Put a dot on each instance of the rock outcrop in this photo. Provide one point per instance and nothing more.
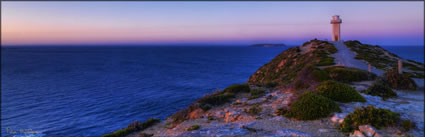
(284, 79)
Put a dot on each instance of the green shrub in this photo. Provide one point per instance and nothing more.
(205, 103)
(271, 84)
(374, 55)
(182, 115)
(236, 88)
(332, 49)
(254, 110)
(256, 93)
(145, 135)
(205, 107)
(325, 59)
(210, 118)
(281, 111)
(300, 85)
(343, 74)
(310, 106)
(320, 75)
(339, 92)
(194, 127)
(406, 125)
(377, 117)
(284, 67)
(399, 81)
(379, 89)
(119, 133)
(216, 99)
(135, 126)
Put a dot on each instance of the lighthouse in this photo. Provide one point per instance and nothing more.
(336, 28)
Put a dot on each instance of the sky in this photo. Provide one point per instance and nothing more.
(208, 23)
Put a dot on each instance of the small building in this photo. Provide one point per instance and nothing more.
(336, 28)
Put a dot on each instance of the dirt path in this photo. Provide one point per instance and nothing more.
(346, 57)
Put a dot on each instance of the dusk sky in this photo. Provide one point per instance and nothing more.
(208, 23)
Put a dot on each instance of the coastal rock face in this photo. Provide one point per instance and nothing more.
(288, 71)
(197, 113)
(365, 131)
(338, 118)
(369, 131)
(357, 133)
(232, 116)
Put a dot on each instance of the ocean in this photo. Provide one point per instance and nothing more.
(90, 91)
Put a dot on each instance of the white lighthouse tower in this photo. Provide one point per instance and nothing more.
(336, 28)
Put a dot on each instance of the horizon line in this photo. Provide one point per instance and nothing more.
(159, 45)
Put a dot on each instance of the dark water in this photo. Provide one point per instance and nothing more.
(90, 91)
(415, 53)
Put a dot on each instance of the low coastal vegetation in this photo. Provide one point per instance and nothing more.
(237, 88)
(133, 127)
(320, 75)
(398, 81)
(308, 77)
(145, 135)
(194, 127)
(325, 59)
(383, 59)
(254, 110)
(215, 99)
(310, 106)
(210, 100)
(380, 89)
(345, 74)
(295, 73)
(281, 111)
(375, 55)
(256, 93)
(377, 117)
(283, 69)
(219, 98)
(299, 85)
(339, 92)
(406, 125)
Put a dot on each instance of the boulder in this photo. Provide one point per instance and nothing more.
(357, 133)
(338, 118)
(197, 113)
(232, 116)
(369, 131)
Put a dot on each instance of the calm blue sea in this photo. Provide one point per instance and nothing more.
(90, 91)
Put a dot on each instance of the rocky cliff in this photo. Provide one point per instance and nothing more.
(309, 90)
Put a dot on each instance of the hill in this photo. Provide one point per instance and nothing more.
(320, 88)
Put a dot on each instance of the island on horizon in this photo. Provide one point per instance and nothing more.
(269, 45)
